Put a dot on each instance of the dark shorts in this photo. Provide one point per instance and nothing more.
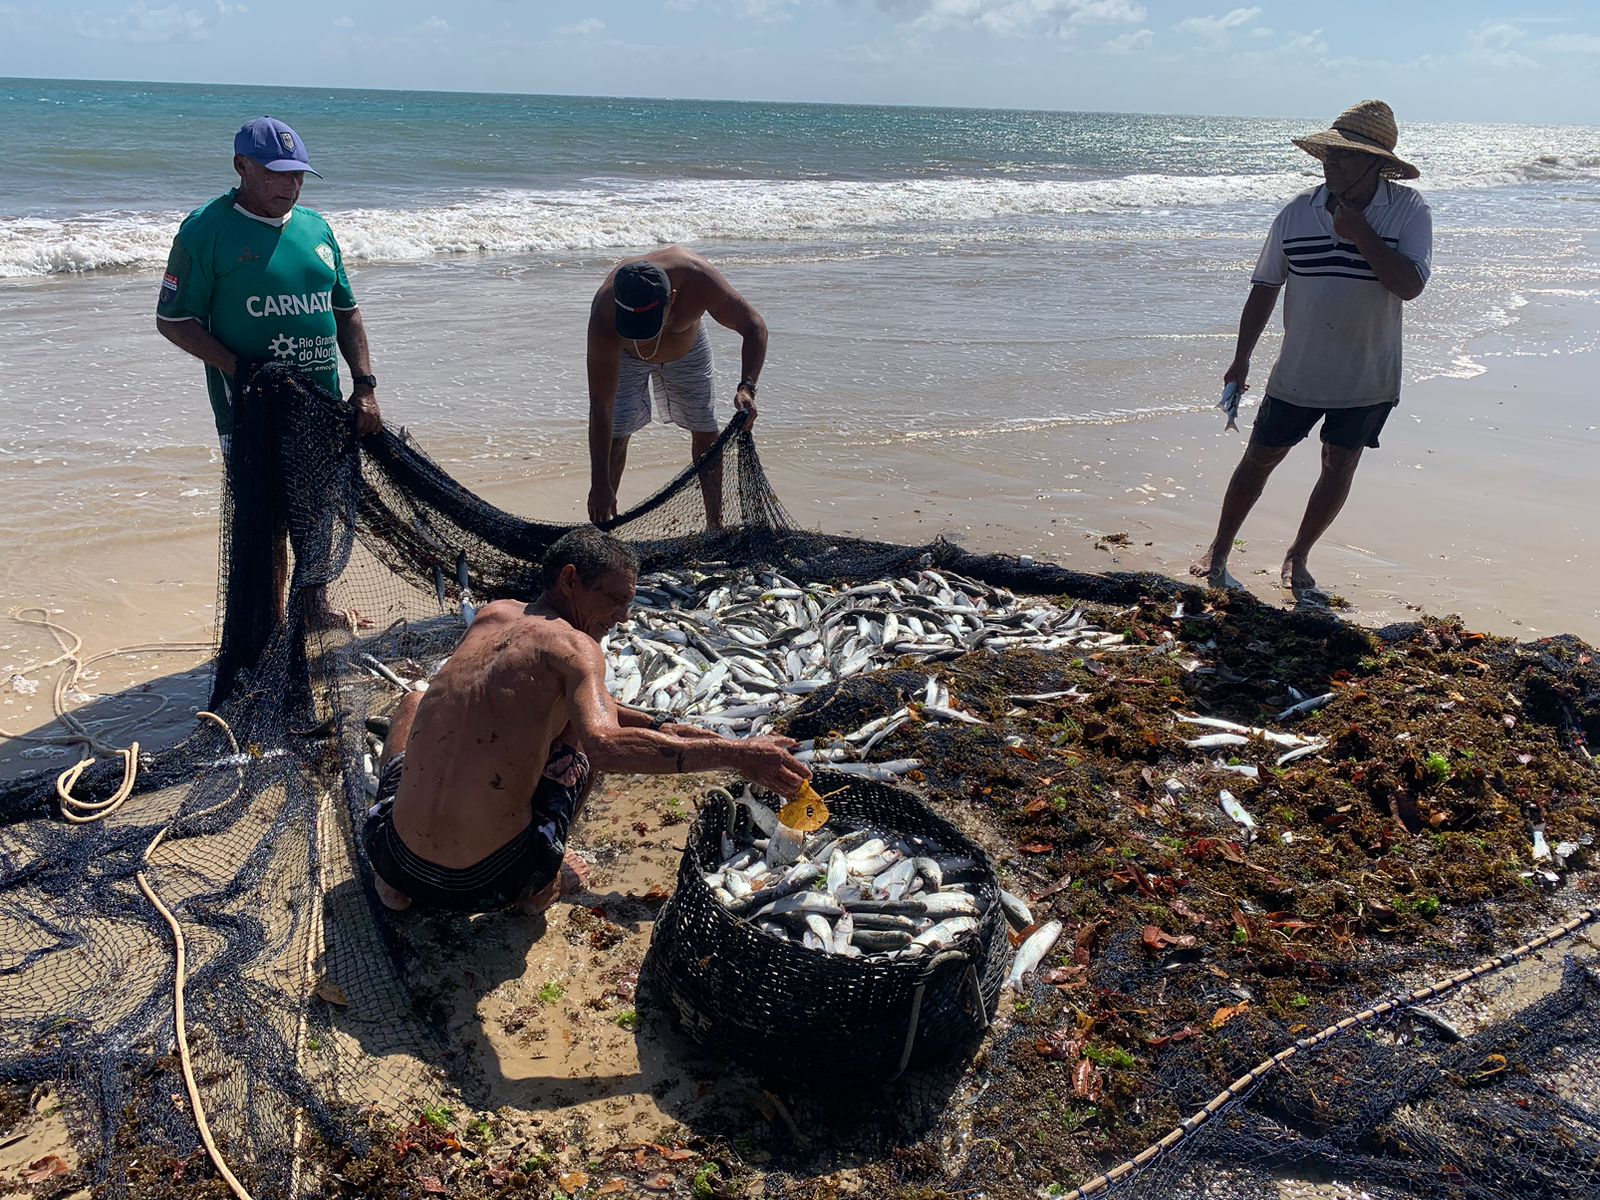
(1279, 423)
(527, 863)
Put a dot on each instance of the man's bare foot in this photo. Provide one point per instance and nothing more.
(571, 879)
(1296, 576)
(335, 618)
(393, 899)
(1214, 571)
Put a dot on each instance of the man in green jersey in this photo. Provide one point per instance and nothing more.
(254, 278)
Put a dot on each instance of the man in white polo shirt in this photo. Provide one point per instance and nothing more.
(1348, 253)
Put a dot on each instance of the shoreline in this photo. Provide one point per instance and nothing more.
(1442, 519)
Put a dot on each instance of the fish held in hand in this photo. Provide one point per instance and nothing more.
(1229, 404)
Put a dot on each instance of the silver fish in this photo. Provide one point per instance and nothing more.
(1306, 706)
(1212, 740)
(945, 933)
(1236, 812)
(1032, 951)
(1017, 912)
(803, 903)
(818, 925)
(1301, 752)
(1229, 404)
(1248, 731)
(952, 903)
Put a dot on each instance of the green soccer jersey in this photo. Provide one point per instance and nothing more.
(264, 289)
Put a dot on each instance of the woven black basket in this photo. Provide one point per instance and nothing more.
(806, 1016)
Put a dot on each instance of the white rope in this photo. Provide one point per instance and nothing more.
(93, 744)
(179, 974)
(1255, 1074)
(84, 812)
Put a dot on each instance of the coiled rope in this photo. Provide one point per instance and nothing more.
(93, 744)
(1261, 1070)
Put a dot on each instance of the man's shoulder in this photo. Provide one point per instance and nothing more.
(1406, 199)
(310, 221)
(209, 215)
(535, 630)
(1300, 202)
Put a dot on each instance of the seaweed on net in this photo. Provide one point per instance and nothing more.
(312, 1046)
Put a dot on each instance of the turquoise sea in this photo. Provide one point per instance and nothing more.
(970, 309)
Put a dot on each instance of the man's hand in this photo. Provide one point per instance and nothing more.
(745, 401)
(1237, 372)
(767, 761)
(1350, 222)
(243, 368)
(602, 504)
(368, 419)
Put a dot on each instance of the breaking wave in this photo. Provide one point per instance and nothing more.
(610, 215)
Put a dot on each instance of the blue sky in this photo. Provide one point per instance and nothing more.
(1464, 61)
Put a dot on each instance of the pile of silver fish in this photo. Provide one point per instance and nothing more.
(858, 894)
(732, 650)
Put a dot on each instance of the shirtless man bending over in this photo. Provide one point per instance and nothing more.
(484, 773)
(645, 330)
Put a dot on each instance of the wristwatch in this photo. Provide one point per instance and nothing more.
(746, 385)
(370, 381)
(660, 719)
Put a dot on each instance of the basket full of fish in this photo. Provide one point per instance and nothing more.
(872, 943)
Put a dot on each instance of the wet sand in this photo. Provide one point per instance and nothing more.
(1479, 502)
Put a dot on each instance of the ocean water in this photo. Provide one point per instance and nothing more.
(973, 304)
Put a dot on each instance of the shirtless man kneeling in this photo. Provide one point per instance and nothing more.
(484, 773)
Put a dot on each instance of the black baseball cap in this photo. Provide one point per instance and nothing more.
(642, 290)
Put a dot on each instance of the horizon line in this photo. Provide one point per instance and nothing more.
(12, 79)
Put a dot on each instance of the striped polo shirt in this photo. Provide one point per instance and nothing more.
(1341, 327)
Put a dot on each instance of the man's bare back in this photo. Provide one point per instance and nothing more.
(697, 288)
(483, 734)
(486, 772)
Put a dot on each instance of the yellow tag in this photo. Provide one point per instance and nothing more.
(806, 812)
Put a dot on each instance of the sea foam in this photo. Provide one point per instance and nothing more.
(605, 215)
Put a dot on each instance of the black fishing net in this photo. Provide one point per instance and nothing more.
(306, 1034)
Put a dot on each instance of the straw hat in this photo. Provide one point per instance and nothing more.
(1367, 127)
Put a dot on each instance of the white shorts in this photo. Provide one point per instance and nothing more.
(685, 392)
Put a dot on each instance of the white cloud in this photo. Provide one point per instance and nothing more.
(1217, 28)
(1498, 45)
(345, 23)
(1014, 18)
(1576, 43)
(434, 25)
(1130, 43)
(226, 9)
(143, 24)
(756, 10)
(1305, 43)
(587, 27)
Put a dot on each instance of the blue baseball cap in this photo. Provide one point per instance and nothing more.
(274, 145)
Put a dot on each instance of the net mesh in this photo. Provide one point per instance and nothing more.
(307, 1035)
